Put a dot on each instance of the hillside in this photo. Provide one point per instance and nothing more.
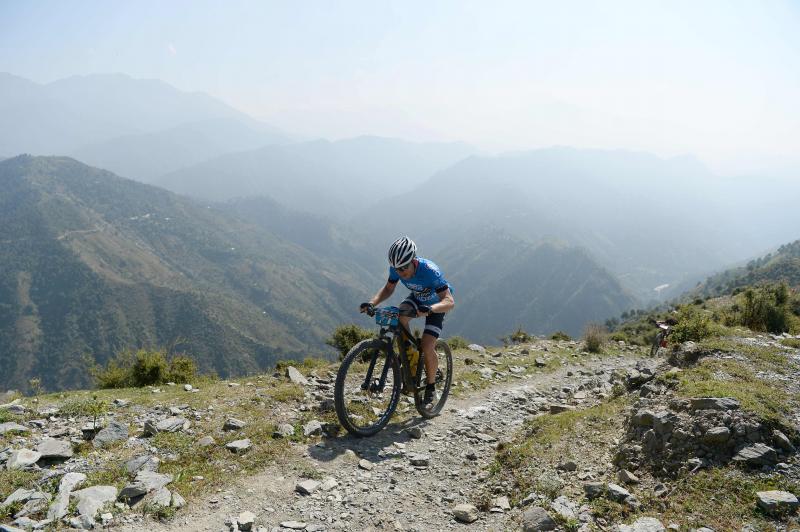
(649, 221)
(781, 266)
(503, 282)
(340, 179)
(93, 263)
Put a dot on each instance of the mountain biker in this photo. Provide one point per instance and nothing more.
(431, 297)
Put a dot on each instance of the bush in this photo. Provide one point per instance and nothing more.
(517, 337)
(149, 368)
(766, 309)
(619, 336)
(594, 336)
(693, 325)
(346, 336)
(457, 342)
(182, 369)
(143, 368)
(560, 336)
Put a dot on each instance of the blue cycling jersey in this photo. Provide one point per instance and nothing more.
(427, 283)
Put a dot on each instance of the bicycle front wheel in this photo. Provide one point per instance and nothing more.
(367, 388)
(443, 380)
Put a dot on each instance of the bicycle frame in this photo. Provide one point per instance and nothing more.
(409, 380)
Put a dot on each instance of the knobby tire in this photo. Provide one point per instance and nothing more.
(364, 412)
(444, 380)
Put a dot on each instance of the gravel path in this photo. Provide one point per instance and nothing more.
(394, 481)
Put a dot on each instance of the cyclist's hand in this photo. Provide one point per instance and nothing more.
(369, 308)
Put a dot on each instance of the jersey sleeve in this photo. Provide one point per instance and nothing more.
(393, 275)
(438, 282)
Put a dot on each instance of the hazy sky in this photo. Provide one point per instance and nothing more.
(720, 79)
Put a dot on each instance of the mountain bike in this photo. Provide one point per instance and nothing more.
(665, 328)
(374, 374)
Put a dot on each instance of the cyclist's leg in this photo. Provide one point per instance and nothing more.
(408, 303)
(433, 329)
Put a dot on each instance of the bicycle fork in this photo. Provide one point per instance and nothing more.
(377, 386)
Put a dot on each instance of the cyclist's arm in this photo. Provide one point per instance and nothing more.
(446, 302)
(384, 293)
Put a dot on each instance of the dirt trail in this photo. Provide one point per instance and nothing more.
(393, 494)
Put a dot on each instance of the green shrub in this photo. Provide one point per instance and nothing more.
(693, 325)
(766, 309)
(182, 369)
(619, 336)
(517, 337)
(560, 336)
(345, 337)
(457, 342)
(594, 336)
(149, 368)
(116, 373)
(143, 368)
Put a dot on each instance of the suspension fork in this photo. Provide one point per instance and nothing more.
(367, 384)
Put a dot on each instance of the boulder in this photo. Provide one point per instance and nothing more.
(233, 424)
(144, 483)
(776, 502)
(145, 462)
(239, 446)
(22, 458)
(51, 449)
(12, 427)
(465, 513)
(294, 375)
(307, 487)
(93, 498)
(717, 435)
(782, 441)
(757, 454)
(171, 424)
(536, 518)
(114, 432)
(60, 505)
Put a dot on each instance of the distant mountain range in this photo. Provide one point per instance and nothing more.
(341, 179)
(649, 221)
(93, 263)
(138, 128)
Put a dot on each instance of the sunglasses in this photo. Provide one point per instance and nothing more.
(404, 268)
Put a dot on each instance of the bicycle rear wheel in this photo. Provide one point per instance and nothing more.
(444, 378)
(367, 388)
(656, 343)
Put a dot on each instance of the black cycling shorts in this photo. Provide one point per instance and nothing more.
(433, 321)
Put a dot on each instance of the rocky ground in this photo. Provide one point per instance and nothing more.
(412, 476)
(607, 439)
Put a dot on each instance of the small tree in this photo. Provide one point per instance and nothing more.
(345, 337)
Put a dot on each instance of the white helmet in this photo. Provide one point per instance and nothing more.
(403, 251)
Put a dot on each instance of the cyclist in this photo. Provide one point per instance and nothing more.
(431, 297)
